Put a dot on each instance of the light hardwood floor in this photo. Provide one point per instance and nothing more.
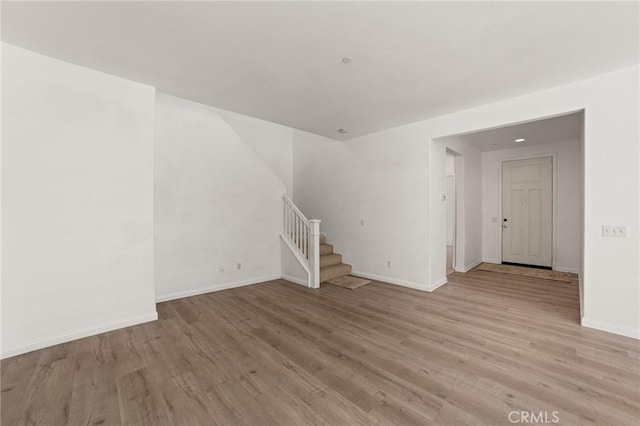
(277, 353)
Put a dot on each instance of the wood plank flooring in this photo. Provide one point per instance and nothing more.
(277, 353)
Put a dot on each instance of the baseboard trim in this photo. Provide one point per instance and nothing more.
(611, 328)
(152, 316)
(570, 270)
(390, 280)
(295, 280)
(213, 288)
(496, 261)
(438, 284)
(467, 268)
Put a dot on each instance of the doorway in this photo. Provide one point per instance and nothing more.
(527, 212)
(480, 156)
(450, 173)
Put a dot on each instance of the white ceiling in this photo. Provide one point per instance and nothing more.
(555, 129)
(282, 61)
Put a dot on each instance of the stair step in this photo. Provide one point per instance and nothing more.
(334, 271)
(323, 239)
(330, 259)
(326, 249)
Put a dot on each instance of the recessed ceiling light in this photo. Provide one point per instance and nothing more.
(347, 60)
(343, 131)
(520, 140)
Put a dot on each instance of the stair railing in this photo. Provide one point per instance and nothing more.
(302, 235)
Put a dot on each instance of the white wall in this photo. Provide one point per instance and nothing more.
(371, 181)
(273, 143)
(1, 219)
(385, 178)
(582, 216)
(216, 204)
(566, 253)
(292, 270)
(77, 202)
(450, 166)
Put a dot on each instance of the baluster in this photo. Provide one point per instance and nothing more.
(305, 243)
(290, 223)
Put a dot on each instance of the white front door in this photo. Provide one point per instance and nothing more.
(527, 211)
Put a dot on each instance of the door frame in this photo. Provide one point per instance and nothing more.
(459, 217)
(554, 199)
(457, 165)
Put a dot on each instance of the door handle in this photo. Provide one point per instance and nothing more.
(504, 222)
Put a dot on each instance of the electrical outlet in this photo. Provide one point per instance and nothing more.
(614, 231)
(388, 264)
(238, 265)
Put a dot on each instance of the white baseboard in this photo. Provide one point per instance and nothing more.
(563, 269)
(79, 334)
(611, 328)
(438, 284)
(390, 280)
(211, 289)
(496, 261)
(295, 280)
(467, 268)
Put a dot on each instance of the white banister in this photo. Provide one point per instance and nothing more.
(303, 238)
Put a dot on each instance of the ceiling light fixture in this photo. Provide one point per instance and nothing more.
(347, 60)
(343, 131)
(520, 140)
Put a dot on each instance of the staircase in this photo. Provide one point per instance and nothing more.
(331, 265)
(303, 238)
